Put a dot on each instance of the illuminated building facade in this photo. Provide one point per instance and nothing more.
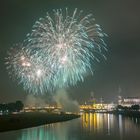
(129, 101)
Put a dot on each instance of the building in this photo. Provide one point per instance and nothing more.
(129, 101)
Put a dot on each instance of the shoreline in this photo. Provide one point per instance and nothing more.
(128, 113)
(32, 119)
(124, 113)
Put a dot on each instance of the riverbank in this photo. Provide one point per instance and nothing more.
(128, 113)
(32, 119)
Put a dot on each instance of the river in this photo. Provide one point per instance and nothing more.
(91, 126)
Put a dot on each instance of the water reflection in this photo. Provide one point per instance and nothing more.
(97, 122)
(91, 126)
(109, 124)
(47, 132)
(120, 127)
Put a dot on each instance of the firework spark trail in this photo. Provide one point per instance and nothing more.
(58, 51)
(28, 69)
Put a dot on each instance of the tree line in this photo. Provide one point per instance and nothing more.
(131, 108)
(11, 107)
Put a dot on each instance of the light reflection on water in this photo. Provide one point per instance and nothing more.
(91, 126)
(48, 132)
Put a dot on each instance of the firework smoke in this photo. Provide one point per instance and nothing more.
(33, 101)
(68, 105)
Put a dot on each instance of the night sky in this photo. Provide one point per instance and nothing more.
(120, 19)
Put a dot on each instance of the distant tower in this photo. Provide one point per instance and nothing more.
(92, 98)
(101, 100)
(119, 90)
(120, 99)
(92, 95)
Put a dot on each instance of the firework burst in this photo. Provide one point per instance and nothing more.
(58, 51)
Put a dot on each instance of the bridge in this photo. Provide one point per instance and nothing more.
(42, 109)
(83, 108)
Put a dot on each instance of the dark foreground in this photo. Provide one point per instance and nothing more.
(25, 120)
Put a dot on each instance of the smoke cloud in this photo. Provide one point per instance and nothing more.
(61, 97)
(68, 105)
(35, 101)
